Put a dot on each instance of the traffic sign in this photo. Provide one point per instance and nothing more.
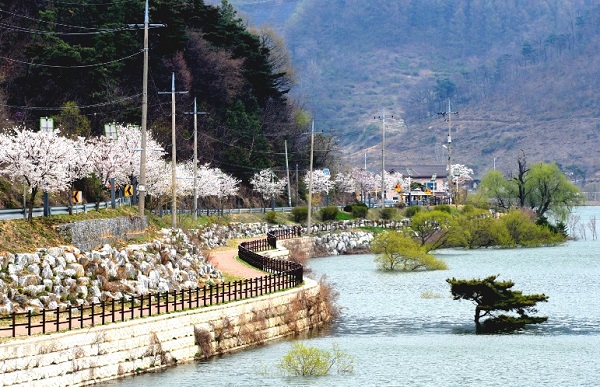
(77, 197)
(398, 188)
(128, 191)
(326, 171)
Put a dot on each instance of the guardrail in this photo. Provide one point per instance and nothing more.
(284, 275)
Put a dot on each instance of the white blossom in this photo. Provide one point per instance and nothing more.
(321, 182)
(268, 184)
(40, 160)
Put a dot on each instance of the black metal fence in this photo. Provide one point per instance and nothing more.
(284, 275)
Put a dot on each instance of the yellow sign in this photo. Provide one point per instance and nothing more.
(128, 191)
(428, 191)
(398, 188)
(77, 197)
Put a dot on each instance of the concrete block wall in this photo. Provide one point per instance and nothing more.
(91, 355)
(89, 234)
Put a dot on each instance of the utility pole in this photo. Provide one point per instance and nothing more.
(310, 179)
(142, 184)
(174, 153)
(449, 113)
(287, 168)
(195, 113)
(382, 157)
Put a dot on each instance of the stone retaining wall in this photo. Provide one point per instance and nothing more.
(88, 356)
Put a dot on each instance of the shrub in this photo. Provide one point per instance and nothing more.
(412, 211)
(300, 214)
(360, 210)
(302, 360)
(328, 213)
(271, 217)
(348, 208)
(388, 213)
(443, 207)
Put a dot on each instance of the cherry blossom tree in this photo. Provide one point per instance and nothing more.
(129, 144)
(79, 166)
(460, 174)
(321, 182)
(225, 185)
(345, 182)
(38, 159)
(268, 184)
(365, 181)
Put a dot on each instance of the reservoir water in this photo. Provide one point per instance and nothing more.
(404, 329)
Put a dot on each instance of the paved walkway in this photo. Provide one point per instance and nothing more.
(226, 262)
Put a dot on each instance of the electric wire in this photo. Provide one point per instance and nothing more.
(72, 66)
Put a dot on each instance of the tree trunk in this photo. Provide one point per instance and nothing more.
(477, 315)
(34, 192)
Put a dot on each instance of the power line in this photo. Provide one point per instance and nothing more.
(78, 106)
(74, 66)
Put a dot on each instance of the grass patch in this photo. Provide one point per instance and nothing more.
(374, 230)
(341, 215)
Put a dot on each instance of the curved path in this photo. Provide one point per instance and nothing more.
(226, 262)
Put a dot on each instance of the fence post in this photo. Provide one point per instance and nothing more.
(81, 316)
(43, 320)
(57, 319)
(123, 308)
(29, 322)
(70, 316)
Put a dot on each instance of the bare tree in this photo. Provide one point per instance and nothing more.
(592, 226)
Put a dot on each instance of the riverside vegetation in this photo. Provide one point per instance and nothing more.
(172, 259)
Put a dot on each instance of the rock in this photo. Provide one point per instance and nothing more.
(36, 304)
(70, 258)
(130, 271)
(47, 272)
(76, 268)
(29, 279)
(50, 260)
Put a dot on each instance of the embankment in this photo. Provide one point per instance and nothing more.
(88, 356)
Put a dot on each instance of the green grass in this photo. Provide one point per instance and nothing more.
(341, 215)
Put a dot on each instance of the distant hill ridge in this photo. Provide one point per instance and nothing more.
(522, 75)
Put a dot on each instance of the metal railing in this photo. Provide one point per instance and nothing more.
(284, 275)
(248, 252)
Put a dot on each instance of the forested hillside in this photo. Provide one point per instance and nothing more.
(521, 74)
(81, 61)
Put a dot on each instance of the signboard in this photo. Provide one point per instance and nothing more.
(46, 125)
(398, 188)
(128, 191)
(77, 197)
(326, 171)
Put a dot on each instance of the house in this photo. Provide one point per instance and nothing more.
(433, 179)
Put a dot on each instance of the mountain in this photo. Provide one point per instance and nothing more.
(522, 75)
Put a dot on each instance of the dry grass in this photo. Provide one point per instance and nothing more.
(21, 236)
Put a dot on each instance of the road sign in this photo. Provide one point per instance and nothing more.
(77, 197)
(398, 188)
(128, 191)
(326, 171)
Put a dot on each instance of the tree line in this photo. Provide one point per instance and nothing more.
(81, 63)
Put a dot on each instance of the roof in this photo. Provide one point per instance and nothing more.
(419, 171)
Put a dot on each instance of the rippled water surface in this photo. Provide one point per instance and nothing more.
(404, 329)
